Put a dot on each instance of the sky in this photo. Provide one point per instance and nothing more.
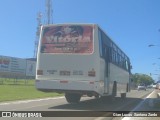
(131, 24)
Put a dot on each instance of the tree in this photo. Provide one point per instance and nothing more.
(142, 78)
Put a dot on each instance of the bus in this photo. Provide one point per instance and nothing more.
(80, 59)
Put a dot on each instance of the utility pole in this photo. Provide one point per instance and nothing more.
(48, 20)
(39, 17)
(49, 12)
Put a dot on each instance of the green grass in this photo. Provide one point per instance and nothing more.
(20, 90)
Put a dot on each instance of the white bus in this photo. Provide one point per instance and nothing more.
(80, 59)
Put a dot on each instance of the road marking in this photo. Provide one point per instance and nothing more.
(138, 106)
(126, 118)
(28, 101)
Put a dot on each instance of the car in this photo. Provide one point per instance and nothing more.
(149, 86)
(141, 87)
(158, 86)
(154, 85)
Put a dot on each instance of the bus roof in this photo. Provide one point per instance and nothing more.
(59, 24)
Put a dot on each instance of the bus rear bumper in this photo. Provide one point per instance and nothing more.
(61, 86)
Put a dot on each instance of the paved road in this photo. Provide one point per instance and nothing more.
(147, 104)
(133, 99)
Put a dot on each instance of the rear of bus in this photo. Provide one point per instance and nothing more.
(66, 60)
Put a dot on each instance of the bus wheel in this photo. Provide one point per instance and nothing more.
(72, 97)
(114, 90)
(127, 88)
(123, 95)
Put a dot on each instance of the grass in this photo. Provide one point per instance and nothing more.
(11, 90)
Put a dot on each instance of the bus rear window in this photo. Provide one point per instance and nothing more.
(67, 39)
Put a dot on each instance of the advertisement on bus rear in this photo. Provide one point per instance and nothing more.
(67, 39)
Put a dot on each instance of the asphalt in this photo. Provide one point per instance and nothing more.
(135, 101)
(146, 109)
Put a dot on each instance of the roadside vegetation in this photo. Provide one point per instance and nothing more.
(138, 78)
(20, 89)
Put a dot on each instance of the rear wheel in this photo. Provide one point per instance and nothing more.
(114, 90)
(127, 88)
(72, 97)
(123, 95)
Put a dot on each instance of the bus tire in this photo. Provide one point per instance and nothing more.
(127, 88)
(123, 95)
(114, 90)
(72, 97)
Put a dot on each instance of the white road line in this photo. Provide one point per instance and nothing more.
(27, 101)
(127, 118)
(138, 106)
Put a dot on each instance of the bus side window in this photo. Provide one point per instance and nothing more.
(105, 52)
(107, 59)
(110, 54)
(126, 65)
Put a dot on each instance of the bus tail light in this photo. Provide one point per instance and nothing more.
(91, 82)
(63, 81)
(39, 72)
(92, 73)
